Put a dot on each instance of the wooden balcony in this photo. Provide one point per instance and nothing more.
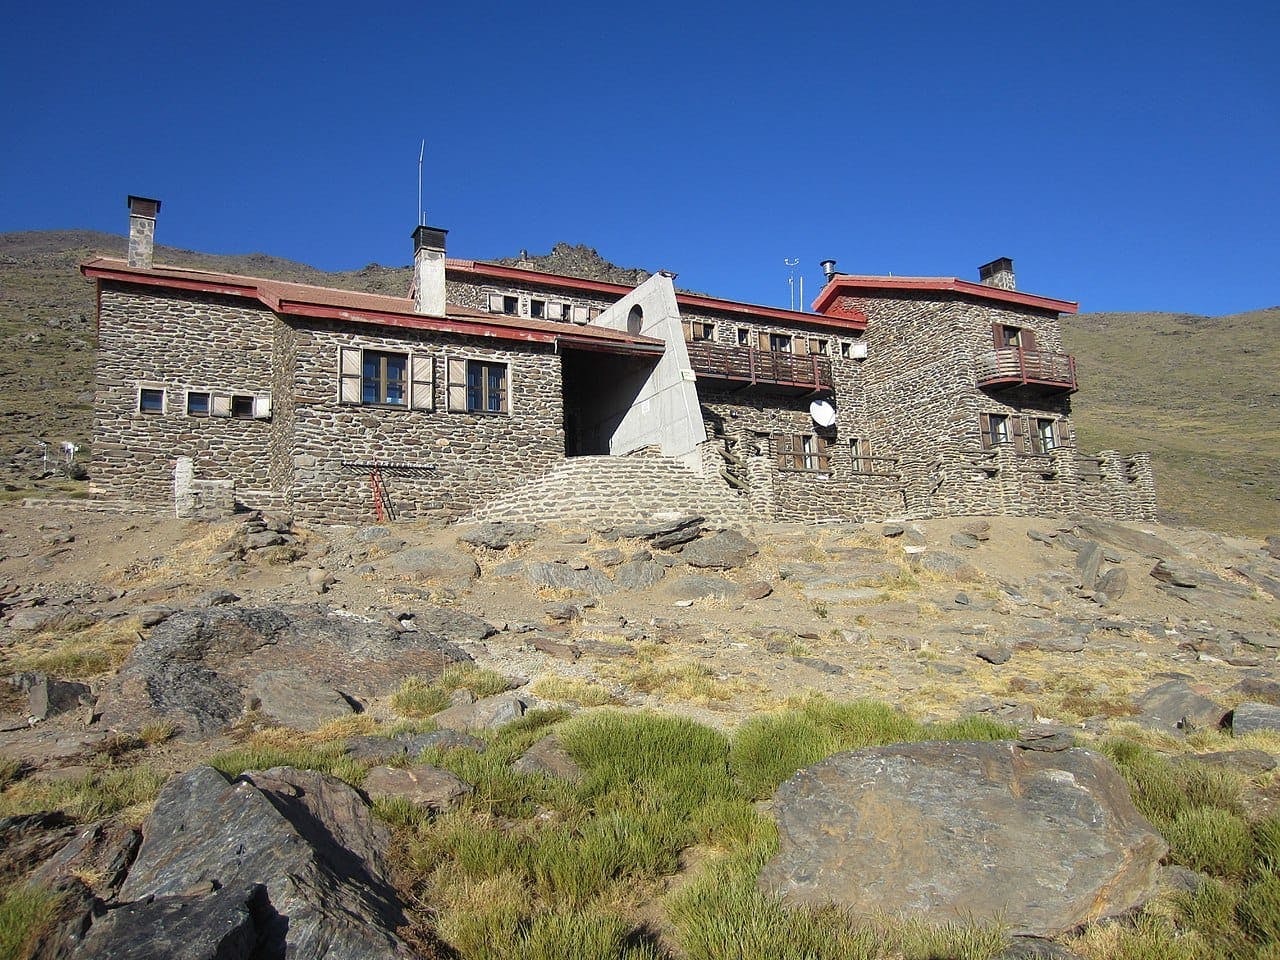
(1040, 371)
(764, 369)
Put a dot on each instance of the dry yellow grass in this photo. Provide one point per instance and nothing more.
(82, 653)
(576, 690)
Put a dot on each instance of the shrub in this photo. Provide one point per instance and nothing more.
(419, 697)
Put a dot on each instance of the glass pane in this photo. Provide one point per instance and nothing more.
(369, 390)
(198, 404)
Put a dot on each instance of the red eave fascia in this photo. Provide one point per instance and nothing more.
(945, 284)
(500, 272)
(297, 308)
(249, 290)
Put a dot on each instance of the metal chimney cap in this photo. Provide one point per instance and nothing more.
(428, 238)
(828, 268)
(143, 207)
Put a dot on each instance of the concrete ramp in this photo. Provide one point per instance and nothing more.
(665, 413)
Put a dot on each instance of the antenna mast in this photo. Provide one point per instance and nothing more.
(422, 214)
(791, 282)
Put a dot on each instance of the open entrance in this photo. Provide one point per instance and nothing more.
(599, 390)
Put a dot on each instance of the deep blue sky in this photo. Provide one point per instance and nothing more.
(1126, 155)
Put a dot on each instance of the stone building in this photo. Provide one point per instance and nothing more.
(493, 391)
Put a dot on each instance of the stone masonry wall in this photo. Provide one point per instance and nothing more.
(446, 463)
(176, 342)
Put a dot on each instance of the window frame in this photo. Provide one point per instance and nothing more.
(459, 390)
(997, 430)
(141, 408)
(801, 453)
(208, 404)
(382, 379)
(238, 408)
(781, 342)
(537, 308)
(1039, 434)
(699, 331)
(510, 305)
(860, 455)
(744, 336)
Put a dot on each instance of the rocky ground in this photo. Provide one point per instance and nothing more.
(137, 643)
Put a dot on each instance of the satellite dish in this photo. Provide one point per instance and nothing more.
(823, 413)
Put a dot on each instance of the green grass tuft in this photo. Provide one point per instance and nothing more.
(91, 797)
(25, 911)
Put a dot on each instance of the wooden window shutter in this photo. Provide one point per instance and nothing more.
(262, 407)
(763, 340)
(688, 330)
(1027, 339)
(554, 310)
(349, 374)
(800, 346)
(824, 455)
(782, 448)
(219, 406)
(579, 314)
(423, 381)
(495, 303)
(456, 385)
(984, 425)
(1019, 434)
(997, 335)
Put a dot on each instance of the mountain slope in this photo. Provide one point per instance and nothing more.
(1201, 393)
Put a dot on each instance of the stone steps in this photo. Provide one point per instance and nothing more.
(617, 490)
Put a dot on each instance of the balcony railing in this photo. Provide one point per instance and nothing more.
(1015, 367)
(752, 367)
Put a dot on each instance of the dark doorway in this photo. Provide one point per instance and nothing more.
(599, 390)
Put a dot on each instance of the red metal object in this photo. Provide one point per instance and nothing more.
(379, 493)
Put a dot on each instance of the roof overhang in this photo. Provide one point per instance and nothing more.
(843, 283)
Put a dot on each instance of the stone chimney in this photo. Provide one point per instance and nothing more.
(142, 230)
(428, 270)
(998, 273)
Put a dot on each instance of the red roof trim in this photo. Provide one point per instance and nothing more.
(263, 291)
(500, 272)
(948, 284)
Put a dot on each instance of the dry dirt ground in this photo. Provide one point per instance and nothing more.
(849, 615)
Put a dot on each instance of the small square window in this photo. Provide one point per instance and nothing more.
(744, 336)
(537, 309)
(384, 378)
(486, 387)
(511, 306)
(995, 430)
(242, 406)
(197, 404)
(1045, 439)
(780, 342)
(820, 347)
(150, 400)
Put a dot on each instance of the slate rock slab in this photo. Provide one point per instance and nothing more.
(1175, 705)
(1255, 718)
(216, 926)
(549, 757)
(983, 831)
(639, 574)
(194, 668)
(1088, 563)
(415, 743)
(696, 587)
(309, 840)
(500, 535)
(722, 551)
(423, 784)
(561, 576)
(487, 714)
(452, 624)
(295, 699)
(434, 563)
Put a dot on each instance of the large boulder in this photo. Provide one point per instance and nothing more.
(563, 576)
(433, 563)
(289, 861)
(500, 535)
(1041, 841)
(1255, 718)
(195, 668)
(723, 551)
(295, 699)
(1173, 704)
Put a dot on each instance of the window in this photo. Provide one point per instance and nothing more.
(1014, 338)
(150, 400)
(780, 342)
(197, 404)
(821, 347)
(511, 306)
(1009, 336)
(995, 430)
(696, 330)
(1045, 437)
(801, 451)
(592, 313)
(242, 406)
(477, 386)
(537, 309)
(860, 453)
(383, 378)
(744, 336)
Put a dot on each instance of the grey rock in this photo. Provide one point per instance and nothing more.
(893, 530)
(1180, 879)
(1262, 641)
(260, 541)
(308, 839)
(676, 538)
(609, 557)
(549, 757)
(48, 697)
(193, 668)
(34, 619)
(423, 784)
(945, 564)
(1041, 537)
(104, 849)
(1051, 644)
(1250, 763)
(822, 666)
(376, 749)
(976, 831)
(1114, 583)
(320, 580)
(1175, 705)
(487, 714)
(1260, 689)
(150, 616)
(1036, 948)
(756, 591)
(501, 535)
(567, 652)
(434, 563)
(697, 587)
(1088, 562)
(965, 541)
(216, 924)
(978, 529)
(994, 654)
(563, 612)
(651, 531)
(560, 576)
(453, 624)
(639, 575)
(1046, 739)
(31, 839)
(1255, 718)
(723, 551)
(295, 699)
(1175, 574)
(1259, 578)
(217, 597)
(415, 743)
(371, 534)
(1272, 547)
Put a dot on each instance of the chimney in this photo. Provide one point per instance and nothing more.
(428, 270)
(828, 269)
(142, 230)
(998, 273)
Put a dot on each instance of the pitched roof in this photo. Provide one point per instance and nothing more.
(846, 281)
(306, 300)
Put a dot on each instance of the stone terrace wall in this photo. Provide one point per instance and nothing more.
(177, 342)
(463, 459)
